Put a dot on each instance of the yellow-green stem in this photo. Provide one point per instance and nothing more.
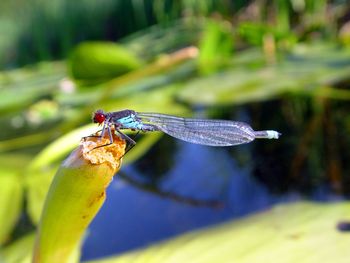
(74, 198)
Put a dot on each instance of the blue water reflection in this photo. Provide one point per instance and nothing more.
(132, 218)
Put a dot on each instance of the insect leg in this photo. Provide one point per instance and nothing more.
(131, 142)
(109, 135)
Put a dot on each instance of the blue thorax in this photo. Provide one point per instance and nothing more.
(130, 122)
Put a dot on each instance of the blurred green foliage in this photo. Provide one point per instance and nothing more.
(171, 57)
(216, 46)
(93, 62)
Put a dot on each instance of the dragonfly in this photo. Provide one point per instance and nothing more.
(199, 131)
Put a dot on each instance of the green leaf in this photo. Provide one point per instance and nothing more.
(95, 62)
(11, 192)
(303, 71)
(234, 86)
(19, 251)
(216, 46)
(37, 185)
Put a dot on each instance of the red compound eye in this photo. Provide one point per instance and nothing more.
(99, 117)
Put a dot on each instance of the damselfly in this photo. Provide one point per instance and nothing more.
(199, 131)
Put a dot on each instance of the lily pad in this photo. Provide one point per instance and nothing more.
(299, 232)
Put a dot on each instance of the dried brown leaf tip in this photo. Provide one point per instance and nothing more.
(98, 150)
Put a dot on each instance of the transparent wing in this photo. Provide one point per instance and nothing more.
(201, 131)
